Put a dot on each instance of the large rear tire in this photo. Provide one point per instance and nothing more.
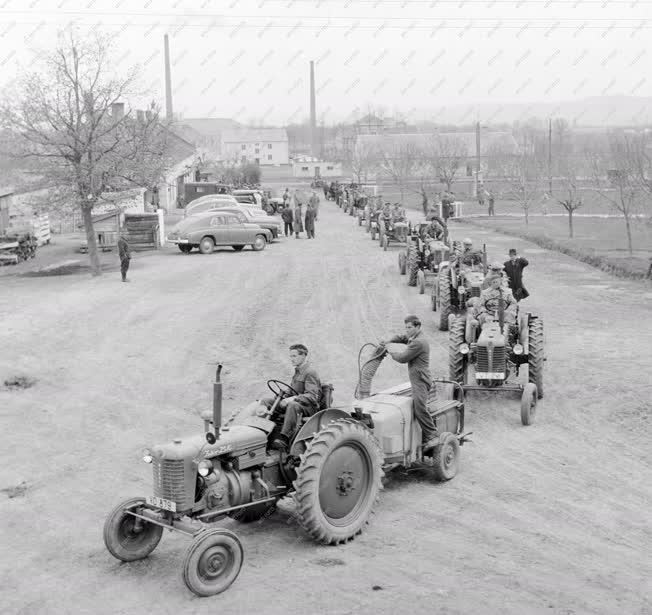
(212, 562)
(536, 355)
(338, 482)
(412, 265)
(456, 360)
(444, 286)
(129, 538)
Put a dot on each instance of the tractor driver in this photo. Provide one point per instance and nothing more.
(307, 384)
(469, 256)
(417, 356)
(398, 213)
(434, 230)
(486, 307)
(495, 270)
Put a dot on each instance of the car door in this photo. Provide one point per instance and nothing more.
(239, 233)
(219, 231)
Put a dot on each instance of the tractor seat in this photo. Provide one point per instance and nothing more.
(326, 396)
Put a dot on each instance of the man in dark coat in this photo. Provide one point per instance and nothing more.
(311, 216)
(124, 252)
(417, 356)
(287, 216)
(298, 222)
(514, 270)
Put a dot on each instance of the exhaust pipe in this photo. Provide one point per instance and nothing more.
(217, 402)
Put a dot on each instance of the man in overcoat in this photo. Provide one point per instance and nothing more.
(514, 270)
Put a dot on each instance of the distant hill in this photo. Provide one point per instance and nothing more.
(605, 111)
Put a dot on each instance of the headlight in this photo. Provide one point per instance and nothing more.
(205, 467)
(464, 348)
(518, 349)
(147, 456)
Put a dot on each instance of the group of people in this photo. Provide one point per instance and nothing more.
(294, 219)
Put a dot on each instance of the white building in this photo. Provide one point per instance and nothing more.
(263, 146)
(311, 167)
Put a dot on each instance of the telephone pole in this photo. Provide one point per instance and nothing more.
(477, 158)
(550, 157)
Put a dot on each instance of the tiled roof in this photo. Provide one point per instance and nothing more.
(248, 135)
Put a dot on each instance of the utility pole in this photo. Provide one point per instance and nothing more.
(550, 157)
(477, 158)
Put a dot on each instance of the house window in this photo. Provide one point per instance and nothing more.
(269, 156)
(305, 168)
(257, 151)
(269, 146)
(257, 144)
(243, 146)
(329, 168)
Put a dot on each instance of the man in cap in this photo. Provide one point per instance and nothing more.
(514, 270)
(486, 308)
(124, 252)
(469, 256)
(417, 356)
(495, 270)
(398, 213)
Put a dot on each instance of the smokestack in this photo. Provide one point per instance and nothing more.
(168, 80)
(313, 113)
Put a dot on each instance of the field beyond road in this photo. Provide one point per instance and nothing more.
(553, 518)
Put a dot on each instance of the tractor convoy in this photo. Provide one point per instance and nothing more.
(334, 466)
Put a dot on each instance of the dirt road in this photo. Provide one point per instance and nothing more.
(552, 518)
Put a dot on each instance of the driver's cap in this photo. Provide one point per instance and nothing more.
(497, 266)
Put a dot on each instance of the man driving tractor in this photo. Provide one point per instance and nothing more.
(469, 256)
(417, 356)
(398, 213)
(486, 306)
(306, 384)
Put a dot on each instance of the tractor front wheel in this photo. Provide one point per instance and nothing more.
(528, 403)
(129, 538)
(446, 457)
(456, 360)
(212, 562)
(433, 297)
(412, 265)
(444, 285)
(338, 481)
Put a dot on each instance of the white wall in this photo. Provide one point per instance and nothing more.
(307, 169)
(279, 152)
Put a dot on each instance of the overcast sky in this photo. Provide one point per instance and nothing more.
(249, 59)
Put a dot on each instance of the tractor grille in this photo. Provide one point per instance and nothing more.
(474, 291)
(169, 480)
(497, 362)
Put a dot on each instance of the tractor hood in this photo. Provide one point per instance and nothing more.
(491, 336)
(233, 441)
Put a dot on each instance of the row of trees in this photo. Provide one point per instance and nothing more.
(63, 122)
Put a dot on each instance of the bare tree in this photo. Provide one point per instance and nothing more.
(62, 117)
(615, 179)
(362, 160)
(448, 154)
(399, 163)
(524, 181)
(571, 199)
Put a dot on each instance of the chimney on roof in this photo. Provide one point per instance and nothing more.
(168, 80)
(313, 112)
(117, 110)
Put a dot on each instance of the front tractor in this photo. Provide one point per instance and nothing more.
(332, 470)
(483, 356)
(424, 255)
(456, 284)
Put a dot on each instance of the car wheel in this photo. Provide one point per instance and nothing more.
(259, 243)
(206, 245)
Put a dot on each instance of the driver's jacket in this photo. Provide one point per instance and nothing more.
(470, 257)
(488, 303)
(308, 386)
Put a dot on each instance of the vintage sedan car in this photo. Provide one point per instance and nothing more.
(206, 231)
(253, 197)
(254, 216)
(210, 201)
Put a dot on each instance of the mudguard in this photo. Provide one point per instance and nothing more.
(314, 424)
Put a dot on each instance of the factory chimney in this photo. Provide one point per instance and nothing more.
(168, 80)
(313, 113)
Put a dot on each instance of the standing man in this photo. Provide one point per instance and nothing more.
(311, 216)
(314, 203)
(514, 270)
(124, 252)
(491, 203)
(481, 193)
(298, 222)
(417, 356)
(286, 198)
(287, 215)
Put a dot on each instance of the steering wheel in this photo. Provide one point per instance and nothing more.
(281, 389)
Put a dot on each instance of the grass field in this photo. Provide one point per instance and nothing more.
(599, 241)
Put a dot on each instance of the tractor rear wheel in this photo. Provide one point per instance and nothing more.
(212, 562)
(456, 360)
(446, 457)
(528, 403)
(412, 265)
(402, 262)
(129, 538)
(444, 286)
(338, 481)
(536, 355)
(421, 281)
(433, 297)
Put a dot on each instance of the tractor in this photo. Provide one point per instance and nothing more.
(456, 283)
(389, 231)
(495, 348)
(333, 471)
(425, 255)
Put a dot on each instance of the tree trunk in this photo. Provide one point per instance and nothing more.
(526, 211)
(570, 223)
(628, 226)
(91, 241)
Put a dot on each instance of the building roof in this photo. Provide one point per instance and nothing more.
(247, 135)
(210, 125)
(489, 141)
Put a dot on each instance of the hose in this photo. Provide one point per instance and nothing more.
(367, 370)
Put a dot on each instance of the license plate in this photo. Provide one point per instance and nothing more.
(153, 500)
(489, 376)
